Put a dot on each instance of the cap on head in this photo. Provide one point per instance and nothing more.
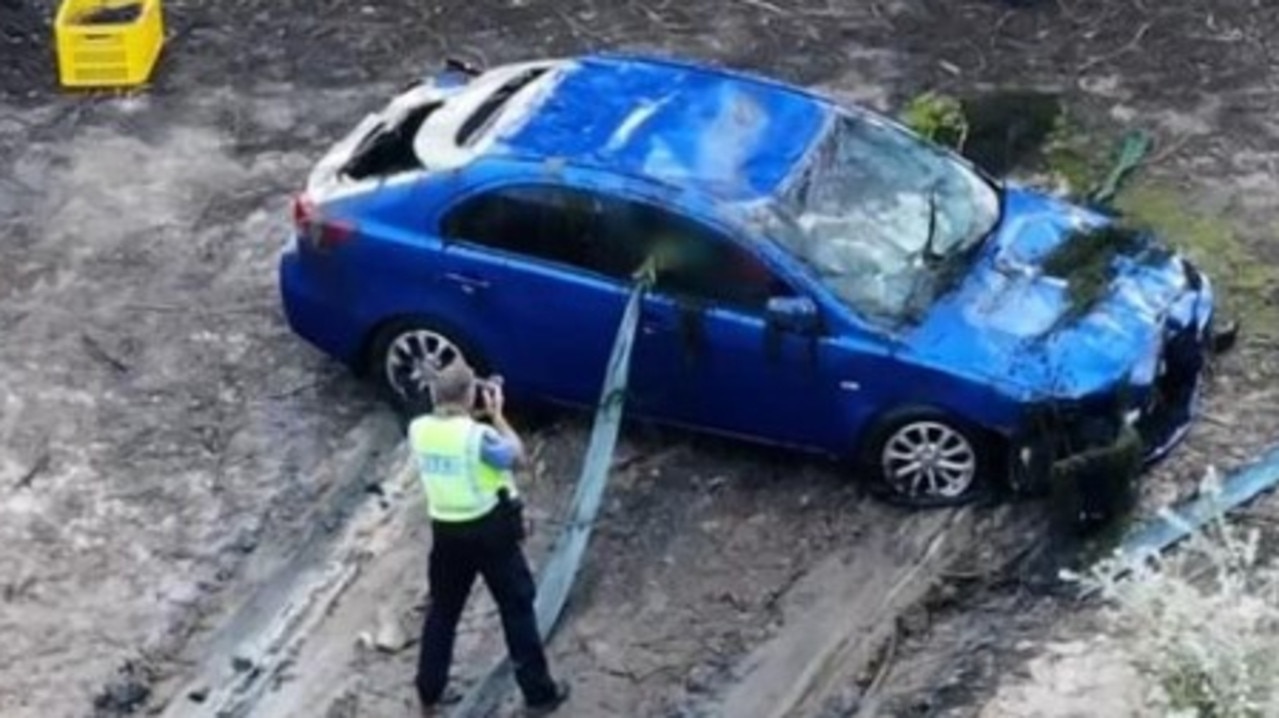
(454, 384)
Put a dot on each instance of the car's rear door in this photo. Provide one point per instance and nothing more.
(524, 262)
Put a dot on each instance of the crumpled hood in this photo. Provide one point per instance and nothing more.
(1008, 322)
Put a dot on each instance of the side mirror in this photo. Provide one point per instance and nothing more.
(794, 314)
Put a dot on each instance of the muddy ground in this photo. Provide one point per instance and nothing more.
(186, 503)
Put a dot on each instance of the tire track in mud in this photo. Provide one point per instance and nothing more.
(158, 434)
(854, 601)
(252, 649)
(656, 627)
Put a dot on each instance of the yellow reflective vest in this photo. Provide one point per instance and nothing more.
(459, 486)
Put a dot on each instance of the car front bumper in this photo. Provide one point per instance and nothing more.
(1110, 438)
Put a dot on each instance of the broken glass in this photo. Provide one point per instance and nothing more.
(876, 212)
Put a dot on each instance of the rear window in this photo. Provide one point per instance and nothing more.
(389, 150)
(486, 111)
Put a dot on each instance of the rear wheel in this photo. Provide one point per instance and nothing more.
(406, 356)
(924, 458)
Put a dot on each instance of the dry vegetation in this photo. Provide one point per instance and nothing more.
(1201, 624)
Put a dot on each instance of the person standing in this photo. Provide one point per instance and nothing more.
(477, 528)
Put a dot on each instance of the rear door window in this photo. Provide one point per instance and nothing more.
(554, 224)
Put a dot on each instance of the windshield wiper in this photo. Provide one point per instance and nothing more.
(929, 250)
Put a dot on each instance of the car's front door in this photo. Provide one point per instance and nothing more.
(712, 359)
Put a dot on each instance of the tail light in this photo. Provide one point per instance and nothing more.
(316, 230)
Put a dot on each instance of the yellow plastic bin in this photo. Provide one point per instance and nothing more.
(108, 43)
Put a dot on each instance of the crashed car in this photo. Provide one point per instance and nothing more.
(840, 285)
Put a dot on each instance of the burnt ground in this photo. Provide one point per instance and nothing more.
(169, 454)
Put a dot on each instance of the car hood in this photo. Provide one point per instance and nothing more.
(1009, 323)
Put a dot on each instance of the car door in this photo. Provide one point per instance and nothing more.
(711, 358)
(524, 260)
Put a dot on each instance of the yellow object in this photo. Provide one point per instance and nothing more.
(118, 51)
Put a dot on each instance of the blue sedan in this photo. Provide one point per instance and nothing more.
(838, 284)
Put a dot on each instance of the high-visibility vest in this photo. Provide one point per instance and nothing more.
(459, 486)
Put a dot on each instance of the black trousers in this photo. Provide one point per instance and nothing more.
(488, 547)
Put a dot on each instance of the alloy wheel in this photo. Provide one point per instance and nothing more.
(415, 357)
(928, 459)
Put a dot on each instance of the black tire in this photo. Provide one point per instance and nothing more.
(948, 433)
(393, 334)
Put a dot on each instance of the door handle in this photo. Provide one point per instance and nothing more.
(469, 284)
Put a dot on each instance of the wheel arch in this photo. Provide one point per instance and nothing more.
(996, 441)
(375, 334)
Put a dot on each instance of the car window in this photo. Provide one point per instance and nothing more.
(557, 224)
(698, 261)
(614, 238)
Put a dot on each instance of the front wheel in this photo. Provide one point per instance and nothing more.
(927, 459)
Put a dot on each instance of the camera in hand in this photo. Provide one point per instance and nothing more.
(482, 386)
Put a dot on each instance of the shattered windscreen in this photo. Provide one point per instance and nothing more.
(876, 212)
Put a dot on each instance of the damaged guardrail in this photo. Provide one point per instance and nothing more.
(1164, 532)
(561, 567)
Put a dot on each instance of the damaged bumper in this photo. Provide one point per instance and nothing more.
(1112, 435)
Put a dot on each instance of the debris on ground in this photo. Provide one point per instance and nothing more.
(390, 635)
(128, 692)
(24, 48)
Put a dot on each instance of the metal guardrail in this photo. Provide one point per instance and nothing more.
(1239, 488)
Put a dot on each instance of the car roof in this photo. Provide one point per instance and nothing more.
(731, 135)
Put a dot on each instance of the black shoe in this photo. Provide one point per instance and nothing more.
(450, 697)
(549, 706)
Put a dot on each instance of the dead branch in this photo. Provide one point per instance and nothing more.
(764, 5)
(1127, 47)
(39, 467)
(648, 12)
(999, 26)
(95, 350)
(886, 662)
(887, 658)
(578, 29)
(294, 391)
(1170, 150)
(1214, 419)
(775, 595)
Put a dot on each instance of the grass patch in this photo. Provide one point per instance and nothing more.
(1074, 157)
(1244, 282)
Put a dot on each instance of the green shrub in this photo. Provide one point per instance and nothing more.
(939, 118)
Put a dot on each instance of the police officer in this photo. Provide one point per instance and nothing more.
(477, 526)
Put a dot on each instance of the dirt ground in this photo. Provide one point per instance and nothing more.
(199, 513)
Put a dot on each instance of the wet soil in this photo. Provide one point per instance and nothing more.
(174, 465)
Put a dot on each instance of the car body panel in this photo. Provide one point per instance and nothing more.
(635, 118)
